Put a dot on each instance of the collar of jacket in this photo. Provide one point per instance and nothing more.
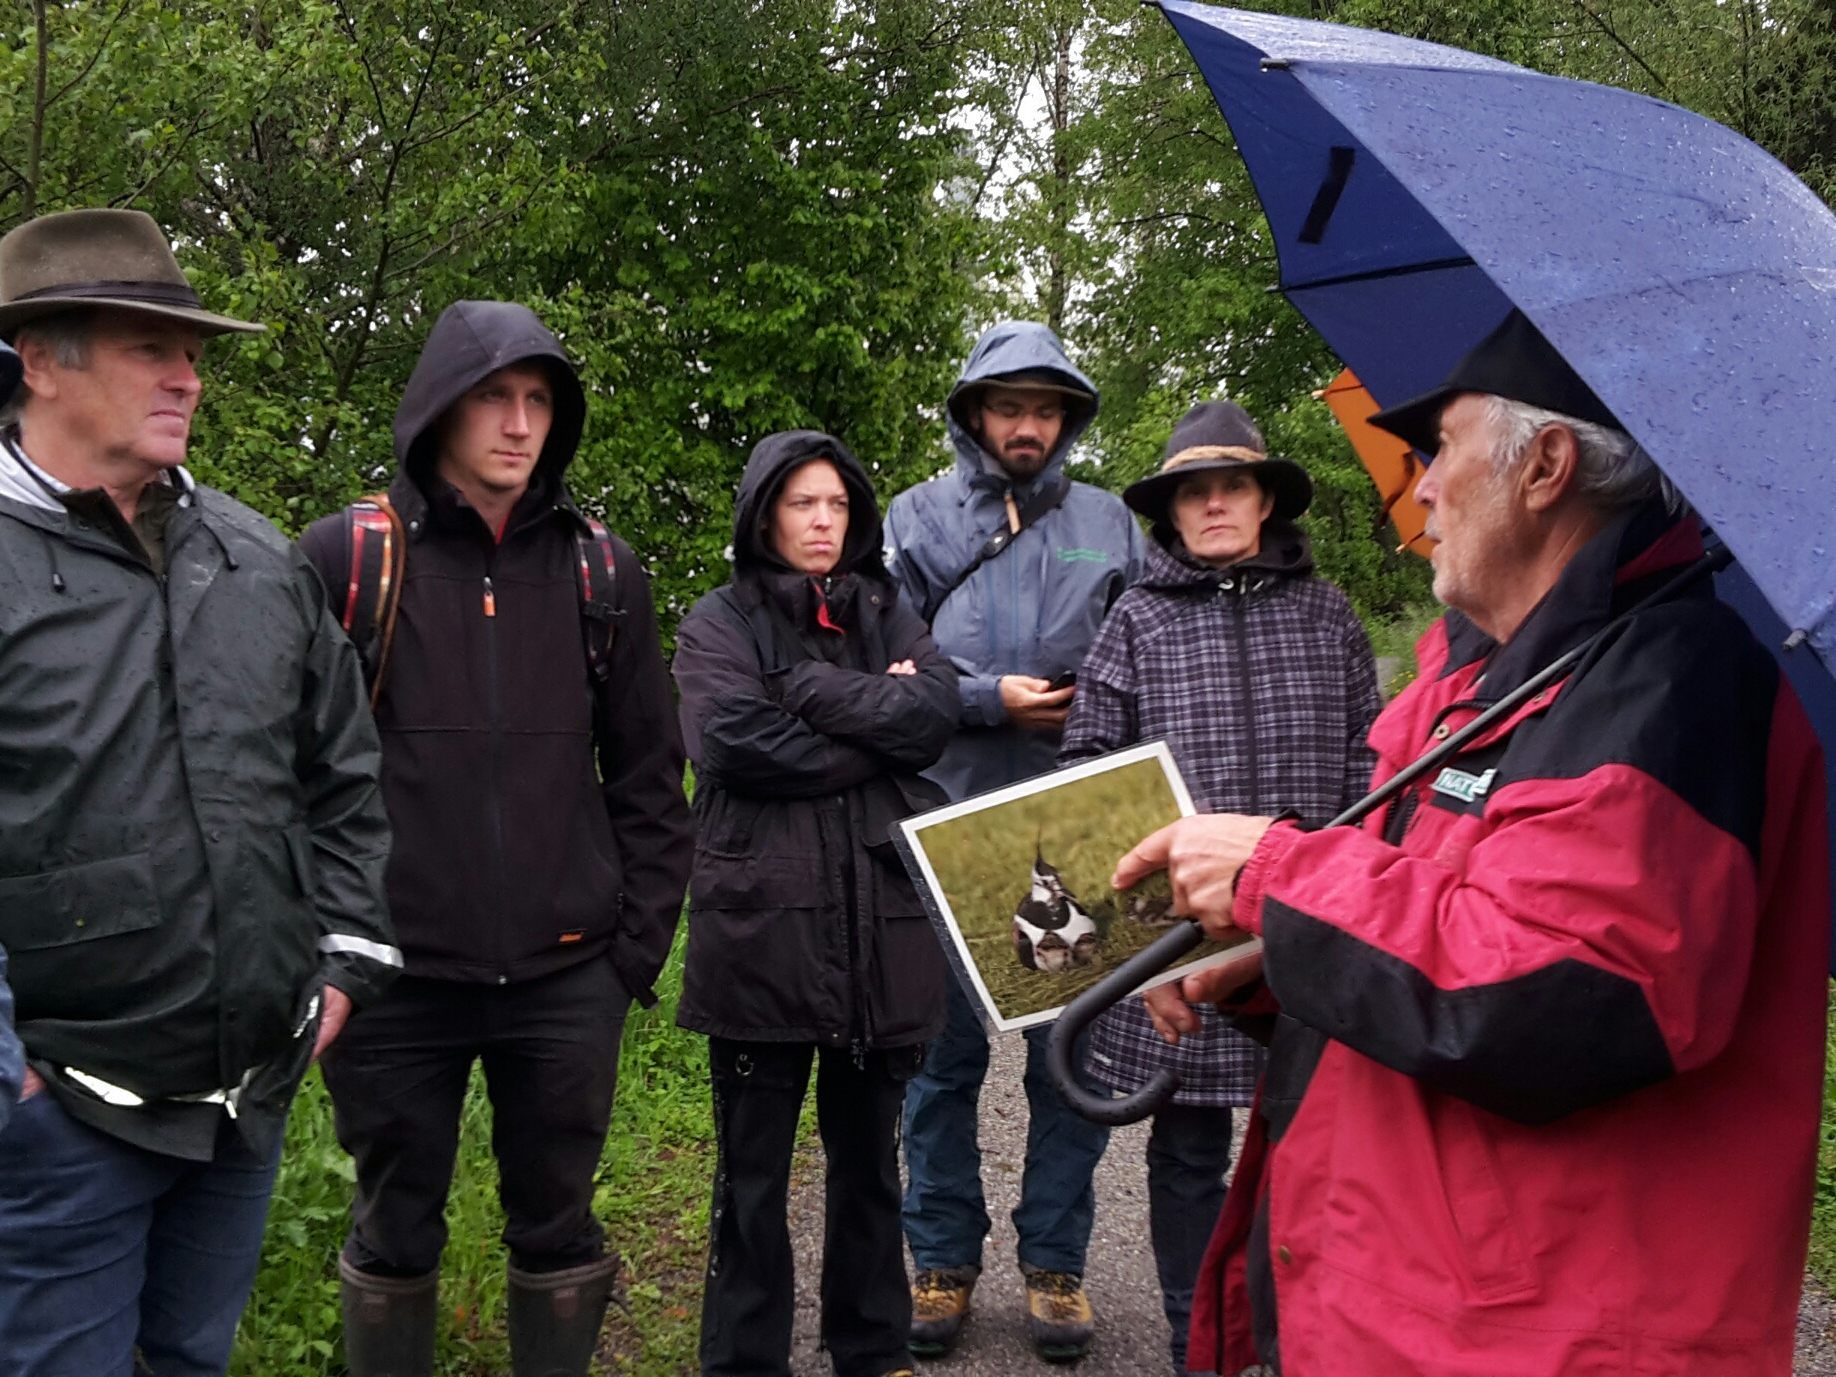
(1634, 553)
(1286, 553)
(416, 512)
(978, 471)
(27, 484)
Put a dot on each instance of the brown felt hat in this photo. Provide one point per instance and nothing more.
(80, 258)
(1218, 435)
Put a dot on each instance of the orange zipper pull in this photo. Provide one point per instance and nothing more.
(490, 598)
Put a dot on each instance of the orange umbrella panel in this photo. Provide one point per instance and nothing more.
(1392, 465)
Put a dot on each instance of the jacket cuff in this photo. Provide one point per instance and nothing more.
(981, 694)
(1253, 878)
(363, 969)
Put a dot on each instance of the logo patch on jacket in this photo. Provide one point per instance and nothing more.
(1459, 784)
(1077, 554)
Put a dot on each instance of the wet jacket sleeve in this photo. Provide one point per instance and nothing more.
(1581, 940)
(1103, 708)
(640, 769)
(736, 731)
(907, 719)
(12, 1055)
(978, 696)
(338, 760)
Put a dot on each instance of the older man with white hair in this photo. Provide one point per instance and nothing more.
(1547, 1043)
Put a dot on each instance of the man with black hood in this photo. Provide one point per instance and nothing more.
(542, 845)
(1014, 566)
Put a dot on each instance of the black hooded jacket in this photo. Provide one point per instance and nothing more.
(803, 926)
(539, 820)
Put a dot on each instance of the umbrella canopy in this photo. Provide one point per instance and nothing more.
(1416, 193)
(1392, 465)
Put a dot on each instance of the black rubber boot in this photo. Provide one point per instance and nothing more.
(388, 1322)
(555, 1318)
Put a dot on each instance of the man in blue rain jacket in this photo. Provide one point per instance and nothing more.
(1016, 616)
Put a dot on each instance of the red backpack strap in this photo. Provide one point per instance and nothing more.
(599, 612)
(373, 597)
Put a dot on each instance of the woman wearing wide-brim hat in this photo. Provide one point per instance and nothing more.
(1260, 678)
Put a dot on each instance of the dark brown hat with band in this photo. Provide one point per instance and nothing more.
(1212, 436)
(80, 258)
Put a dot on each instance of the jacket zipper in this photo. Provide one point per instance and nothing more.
(1244, 679)
(860, 1028)
(494, 714)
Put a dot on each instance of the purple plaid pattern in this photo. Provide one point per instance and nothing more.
(1260, 679)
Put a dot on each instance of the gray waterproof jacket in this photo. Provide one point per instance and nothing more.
(1034, 608)
(191, 835)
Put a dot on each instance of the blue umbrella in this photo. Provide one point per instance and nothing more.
(1416, 193)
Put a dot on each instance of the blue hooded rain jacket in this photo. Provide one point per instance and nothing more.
(1033, 609)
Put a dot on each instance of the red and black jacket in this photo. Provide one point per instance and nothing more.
(1545, 1093)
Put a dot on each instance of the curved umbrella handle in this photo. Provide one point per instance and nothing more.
(1080, 1013)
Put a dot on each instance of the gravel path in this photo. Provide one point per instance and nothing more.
(1131, 1332)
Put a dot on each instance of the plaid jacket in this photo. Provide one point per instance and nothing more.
(1261, 680)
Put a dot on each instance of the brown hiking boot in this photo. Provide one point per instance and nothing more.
(940, 1303)
(1059, 1319)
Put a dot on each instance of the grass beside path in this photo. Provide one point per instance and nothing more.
(652, 1195)
(1823, 1205)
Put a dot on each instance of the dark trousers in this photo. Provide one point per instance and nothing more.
(398, 1077)
(751, 1294)
(106, 1248)
(1188, 1153)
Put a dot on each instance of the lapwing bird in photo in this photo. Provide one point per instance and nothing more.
(1052, 932)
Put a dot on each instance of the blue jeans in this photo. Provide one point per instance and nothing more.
(106, 1247)
(946, 1217)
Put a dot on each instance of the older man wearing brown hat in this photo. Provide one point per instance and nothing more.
(191, 836)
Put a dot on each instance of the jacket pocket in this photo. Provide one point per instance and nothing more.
(78, 903)
(906, 980)
(1496, 1260)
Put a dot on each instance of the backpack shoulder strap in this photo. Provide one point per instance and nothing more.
(599, 609)
(373, 596)
(1041, 503)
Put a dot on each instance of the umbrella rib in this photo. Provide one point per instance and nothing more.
(1372, 274)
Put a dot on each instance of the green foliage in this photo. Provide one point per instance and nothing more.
(731, 212)
(1172, 303)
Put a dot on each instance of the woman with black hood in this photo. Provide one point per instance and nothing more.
(1260, 678)
(810, 700)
